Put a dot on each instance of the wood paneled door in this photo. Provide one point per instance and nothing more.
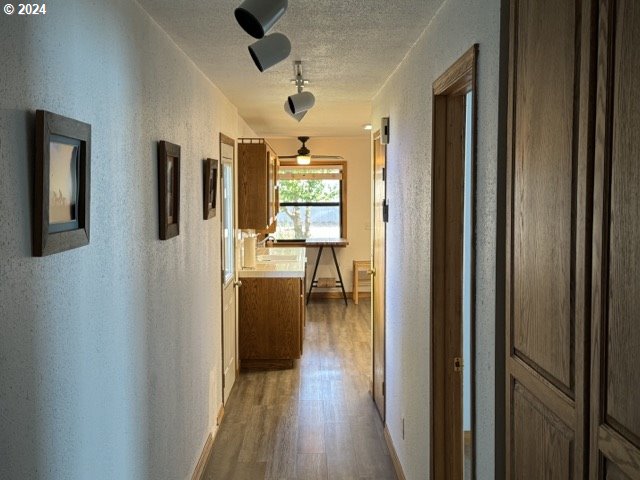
(548, 227)
(379, 246)
(615, 386)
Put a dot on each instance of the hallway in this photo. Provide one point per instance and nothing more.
(316, 421)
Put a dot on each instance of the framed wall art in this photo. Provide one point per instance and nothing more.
(62, 184)
(210, 187)
(169, 189)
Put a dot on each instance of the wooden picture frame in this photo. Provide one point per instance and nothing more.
(62, 184)
(169, 189)
(210, 187)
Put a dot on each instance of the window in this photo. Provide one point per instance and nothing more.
(311, 201)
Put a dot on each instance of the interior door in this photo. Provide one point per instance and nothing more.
(547, 231)
(452, 292)
(229, 320)
(379, 232)
(615, 419)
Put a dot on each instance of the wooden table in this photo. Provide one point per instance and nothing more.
(332, 243)
(320, 243)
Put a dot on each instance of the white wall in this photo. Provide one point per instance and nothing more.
(407, 99)
(109, 354)
(357, 153)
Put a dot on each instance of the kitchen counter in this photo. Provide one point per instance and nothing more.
(279, 262)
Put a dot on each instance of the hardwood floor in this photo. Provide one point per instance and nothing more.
(316, 421)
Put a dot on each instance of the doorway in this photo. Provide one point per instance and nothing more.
(229, 284)
(379, 245)
(452, 271)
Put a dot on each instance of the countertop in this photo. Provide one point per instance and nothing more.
(313, 242)
(277, 263)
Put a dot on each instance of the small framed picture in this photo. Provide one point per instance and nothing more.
(169, 189)
(62, 184)
(210, 187)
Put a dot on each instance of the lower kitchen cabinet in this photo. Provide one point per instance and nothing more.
(271, 322)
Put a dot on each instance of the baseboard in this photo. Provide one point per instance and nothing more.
(337, 295)
(198, 474)
(220, 415)
(394, 456)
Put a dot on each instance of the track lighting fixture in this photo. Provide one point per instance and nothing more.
(301, 101)
(256, 17)
(270, 50)
(297, 116)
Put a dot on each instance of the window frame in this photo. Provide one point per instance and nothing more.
(342, 165)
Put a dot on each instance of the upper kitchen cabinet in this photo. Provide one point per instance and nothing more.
(257, 185)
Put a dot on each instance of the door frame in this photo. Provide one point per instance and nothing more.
(377, 137)
(457, 81)
(224, 139)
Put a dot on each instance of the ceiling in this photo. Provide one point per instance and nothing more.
(348, 47)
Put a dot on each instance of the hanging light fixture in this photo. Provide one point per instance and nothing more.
(270, 50)
(301, 101)
(303, 159)
(256, 17)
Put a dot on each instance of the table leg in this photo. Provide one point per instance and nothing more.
(335, 260)
(315, 270)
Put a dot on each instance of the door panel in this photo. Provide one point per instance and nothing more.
(547, 230)
(552, 440)
(616, 249)
(378, 265)
(229, 321)
(543, 327)
(623, 396)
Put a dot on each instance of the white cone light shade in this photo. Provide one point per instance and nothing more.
(301, 102)
(270, 50)
(256, 17)
(303, 159)
(297, 116)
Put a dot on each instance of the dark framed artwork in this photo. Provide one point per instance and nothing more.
(169, 189)
(62, 184)
(210, 187)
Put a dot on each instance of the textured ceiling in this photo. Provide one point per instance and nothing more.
(348, 48)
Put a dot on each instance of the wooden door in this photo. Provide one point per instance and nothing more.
(229, 320)
(615, 386)
(379, 232)
(548, 215)
(447, 250)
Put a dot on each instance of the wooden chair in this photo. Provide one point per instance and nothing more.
(360, 267)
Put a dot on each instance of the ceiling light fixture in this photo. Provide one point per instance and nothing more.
(304, 154)
(270, 50)
(297, 116)
(367, 126)
(301, 101)
(256, 17)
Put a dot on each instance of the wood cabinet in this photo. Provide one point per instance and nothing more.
(257, 185)
(271, 322)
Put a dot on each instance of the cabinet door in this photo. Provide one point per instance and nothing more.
(269, 318)
(253, 181)
(615, 396)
